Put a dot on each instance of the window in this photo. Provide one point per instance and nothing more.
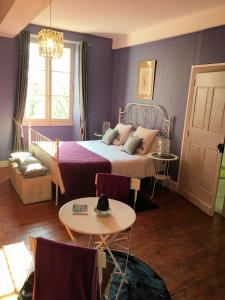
(50, 88)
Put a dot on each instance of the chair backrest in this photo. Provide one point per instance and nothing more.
(63, 271)
(116, 186)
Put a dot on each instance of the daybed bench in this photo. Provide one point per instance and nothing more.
(30, 190)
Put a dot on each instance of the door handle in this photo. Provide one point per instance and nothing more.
(220, 148)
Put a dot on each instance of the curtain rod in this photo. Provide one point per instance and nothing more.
(66, 41)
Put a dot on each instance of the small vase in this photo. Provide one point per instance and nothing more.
(103, 203)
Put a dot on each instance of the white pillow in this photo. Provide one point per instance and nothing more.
(148, 137)
(123, 133)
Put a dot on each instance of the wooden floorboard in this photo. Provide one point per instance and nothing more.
(180, 242)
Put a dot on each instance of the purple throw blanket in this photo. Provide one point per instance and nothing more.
(64, 271)
(115, 186)
(78, 167)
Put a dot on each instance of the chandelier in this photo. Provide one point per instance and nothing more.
(50, 41)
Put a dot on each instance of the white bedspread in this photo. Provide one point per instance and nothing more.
(122, 163)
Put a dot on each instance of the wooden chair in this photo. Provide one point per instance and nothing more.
(135, 184)
(123, 241)
(104, 275)
(63, 271)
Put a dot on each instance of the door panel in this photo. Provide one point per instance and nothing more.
(200, 161)
(191, 168)
(218, 110)
(199, 107)
(193, 161)
(208, 170)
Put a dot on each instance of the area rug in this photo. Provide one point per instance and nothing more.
(143, 282)
(143, 199)
(143, 202)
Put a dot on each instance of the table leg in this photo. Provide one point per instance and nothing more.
(103, 242)
(153, 190)
(104, 245)
(117, 265)
(70, 234)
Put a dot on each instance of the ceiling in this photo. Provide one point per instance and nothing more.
(127, 22)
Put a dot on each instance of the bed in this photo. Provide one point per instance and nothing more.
(52, 154)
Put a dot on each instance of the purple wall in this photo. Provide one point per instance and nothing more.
(174, 57)
(8, 68)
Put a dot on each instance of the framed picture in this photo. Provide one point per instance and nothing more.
(146, 77)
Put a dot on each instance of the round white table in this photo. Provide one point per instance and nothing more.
(121, 218)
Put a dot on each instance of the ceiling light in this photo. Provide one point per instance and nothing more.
(50, 41)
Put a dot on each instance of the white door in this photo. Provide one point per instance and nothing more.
(205, 129)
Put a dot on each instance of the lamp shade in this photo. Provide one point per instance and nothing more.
(50, 43)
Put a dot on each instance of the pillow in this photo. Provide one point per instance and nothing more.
(33, 170)
(123, 133)
(154, 146)
(148, 137)
(109, 136)
(132, 143)
(27, 160)
(18, 155)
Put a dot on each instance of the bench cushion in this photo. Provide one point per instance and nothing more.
(33, 170)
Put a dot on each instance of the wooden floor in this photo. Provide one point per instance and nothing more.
(182, 244)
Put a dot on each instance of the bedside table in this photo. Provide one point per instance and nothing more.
(99, 135)
(161, 167)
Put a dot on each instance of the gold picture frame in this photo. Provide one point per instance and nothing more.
(146, 78)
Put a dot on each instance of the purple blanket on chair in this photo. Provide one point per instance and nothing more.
(78, 167)
(115, 186)
(64, 271)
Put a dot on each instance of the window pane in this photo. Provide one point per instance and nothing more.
(63, 63)
(35, 107)
(49, 86)
(36, 62)
(60, 84)
(36, 83)
(60, 107)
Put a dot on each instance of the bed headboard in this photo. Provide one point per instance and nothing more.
(149, 116)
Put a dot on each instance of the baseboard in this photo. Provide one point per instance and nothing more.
(171, 185)
(4, 163)
(203, 206)
(175, 186)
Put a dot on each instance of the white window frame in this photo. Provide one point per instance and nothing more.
(48, 121)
